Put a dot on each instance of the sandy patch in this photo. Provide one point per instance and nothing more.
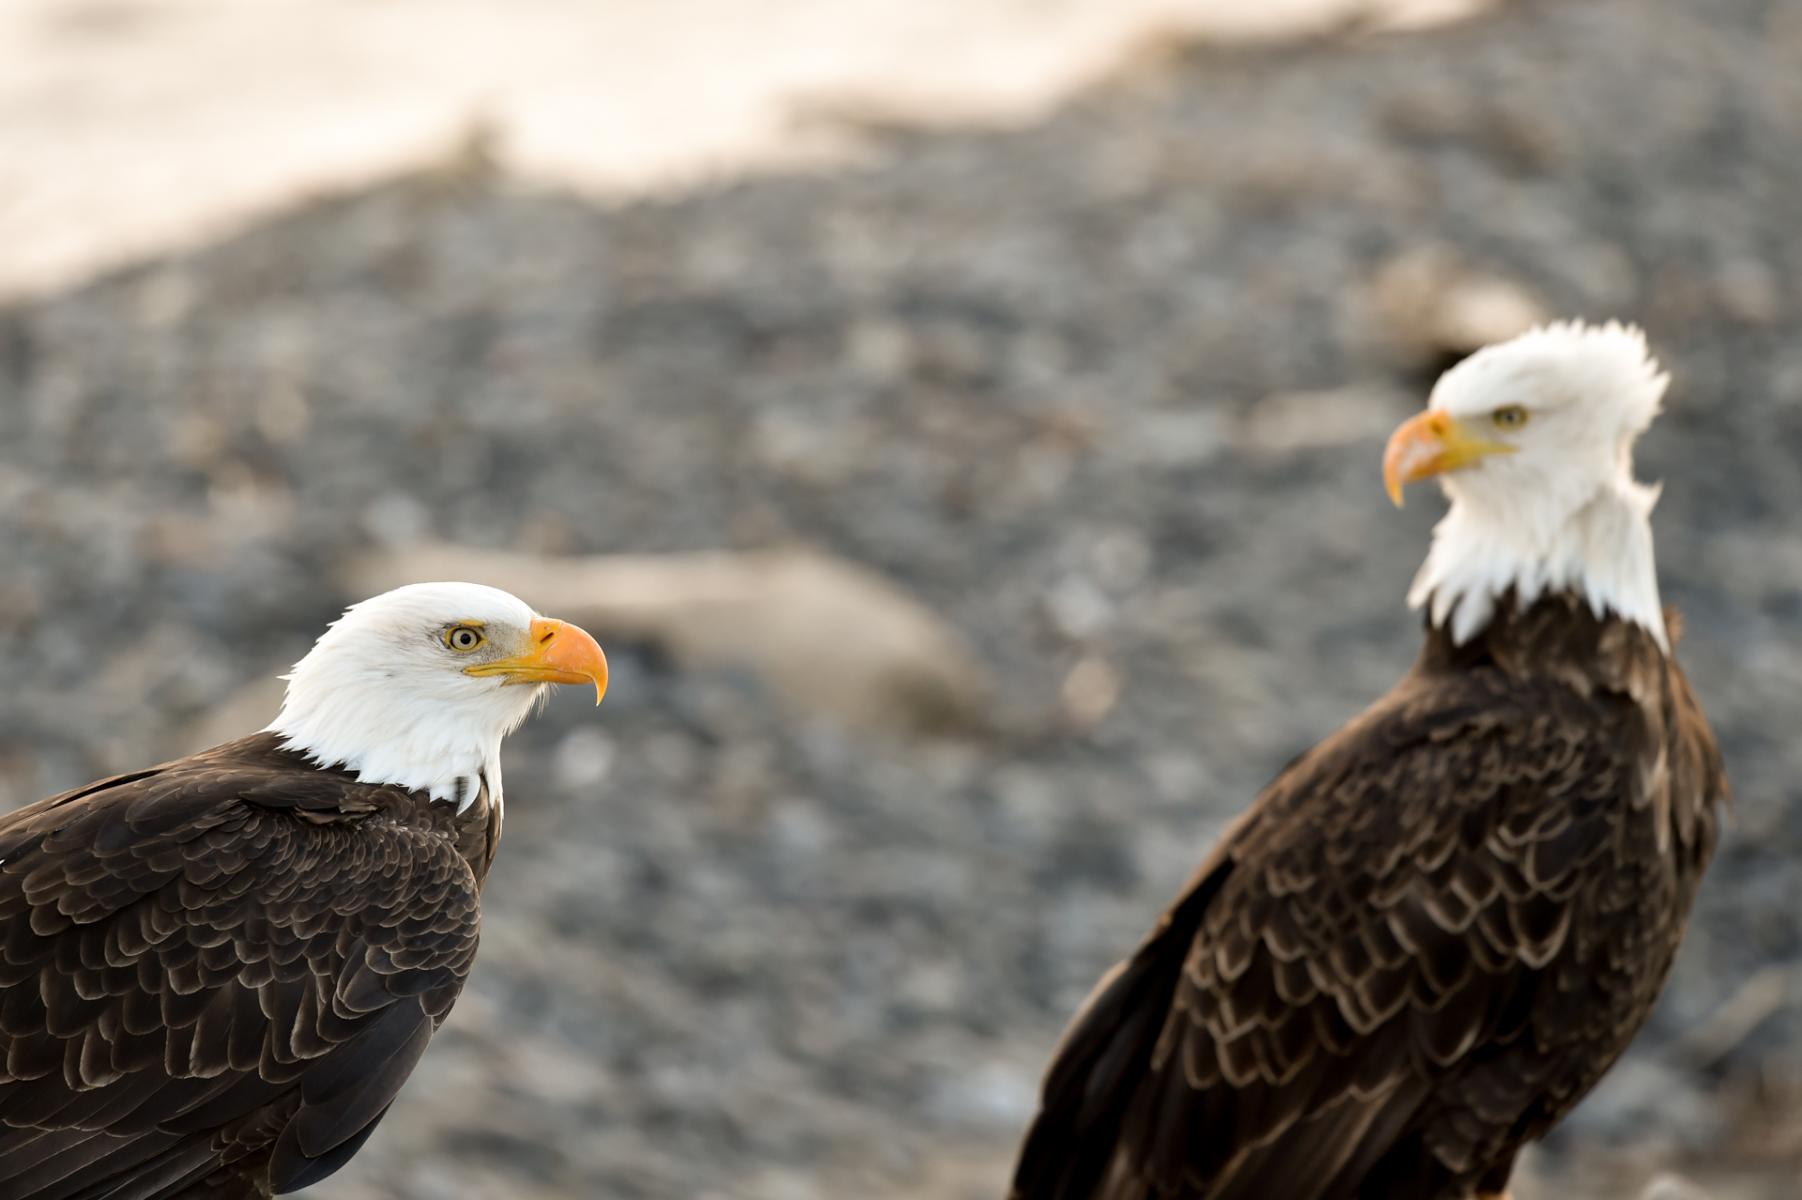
(129, 126)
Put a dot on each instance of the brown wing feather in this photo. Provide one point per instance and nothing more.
(1428, 938)
(1093, 1075)
(221, 964)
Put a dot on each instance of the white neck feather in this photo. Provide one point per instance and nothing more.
(409, 746)
(1602, 551)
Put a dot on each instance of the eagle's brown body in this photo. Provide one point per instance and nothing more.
(215, 975)
(1425, 941)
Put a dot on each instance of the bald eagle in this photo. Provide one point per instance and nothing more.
(1433, 933)
(216, 974)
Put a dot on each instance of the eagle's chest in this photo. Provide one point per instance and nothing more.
(476, 829)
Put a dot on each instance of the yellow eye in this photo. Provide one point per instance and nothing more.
(463, 638)
(1509, 416)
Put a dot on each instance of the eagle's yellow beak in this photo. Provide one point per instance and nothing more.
(560, 653)
(1432, 443)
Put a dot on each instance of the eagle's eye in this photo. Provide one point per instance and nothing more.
(1509, 416)
(462, 638)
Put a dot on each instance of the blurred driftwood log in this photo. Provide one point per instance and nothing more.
(826, 636)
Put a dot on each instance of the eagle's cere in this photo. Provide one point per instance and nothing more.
(1432, 934)
(216, 974)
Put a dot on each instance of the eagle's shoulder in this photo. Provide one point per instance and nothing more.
(251, 770)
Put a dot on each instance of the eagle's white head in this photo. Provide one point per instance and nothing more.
(1532, 440)
(418, 686)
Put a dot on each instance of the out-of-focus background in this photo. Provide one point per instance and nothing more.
(960, 421)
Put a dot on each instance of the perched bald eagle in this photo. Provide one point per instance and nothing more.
(216, 974)
(1435, 931)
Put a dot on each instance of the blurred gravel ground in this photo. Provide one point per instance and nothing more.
(1108, 394)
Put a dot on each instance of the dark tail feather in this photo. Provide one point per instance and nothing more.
(1070, 1149)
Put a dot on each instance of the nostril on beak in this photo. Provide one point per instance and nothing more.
(548, 636)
